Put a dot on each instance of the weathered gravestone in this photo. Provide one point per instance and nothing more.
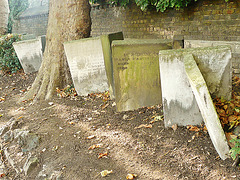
(235, 47)
(206, 106)
(87, 65)
(107, 54)
(136, 72)
(29, 53)
(179, 103)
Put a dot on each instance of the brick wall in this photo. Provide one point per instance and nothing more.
(32, 21)
(203, 20)
(36, 25)
(208, 20)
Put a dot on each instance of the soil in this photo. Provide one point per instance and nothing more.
(65, 124)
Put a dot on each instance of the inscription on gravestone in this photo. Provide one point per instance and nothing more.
(86, 63)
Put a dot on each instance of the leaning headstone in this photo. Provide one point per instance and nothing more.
(107, 53)
(136, 72)
(86, 63)
(29, 53)
(179, 103)
(206, 106)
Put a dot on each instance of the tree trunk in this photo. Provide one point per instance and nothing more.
(4, 10)
(68, 20)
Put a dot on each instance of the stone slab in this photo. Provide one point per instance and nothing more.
(28, 37)
(29, 53)
(106, 40)
(86, 63)
(179, 104)
(206, 106)
(136, 72)
(235, 45)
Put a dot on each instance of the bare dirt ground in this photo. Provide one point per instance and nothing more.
(67, 127)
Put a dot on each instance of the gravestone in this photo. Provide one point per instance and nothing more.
(235, 47)
(107, 54)
(43, 42)
(86, 63)
(136, 72)
(29, 53)
(28, 37)
(90, 63)
(179, 104)
(206, 106)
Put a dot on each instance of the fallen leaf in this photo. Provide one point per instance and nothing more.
(95, 146)
(144, 126)
(131, 176)
(125, 116)
(105, 105)
(105, 173)
(91, 137)
(71, 122)
(55, 148)
(193, 128)
(102, 155)
(225, 107)
(229, 137)
(205, 129)
(221, 112)
(159, 117)
(174, 127)
(156, 118)
(232, 118)
(2, 175)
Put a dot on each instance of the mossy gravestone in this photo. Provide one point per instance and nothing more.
(107, 54)
(87, 63)
(179, 104)
(136, 72)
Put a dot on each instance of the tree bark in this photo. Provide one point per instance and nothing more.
(68, 20)
(4, 11)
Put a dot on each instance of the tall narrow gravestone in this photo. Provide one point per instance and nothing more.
(29, 53)
(206, 106)
(136, 72)
(87, 59)
(107, 53)
(179, 104)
